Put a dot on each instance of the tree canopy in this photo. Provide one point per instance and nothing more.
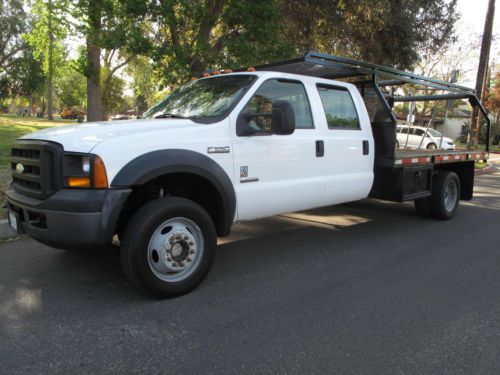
(160, 44)
(13, 23)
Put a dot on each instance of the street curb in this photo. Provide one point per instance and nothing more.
(5, 232)
(489, 169)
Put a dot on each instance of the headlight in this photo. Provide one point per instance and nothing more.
(84, 171)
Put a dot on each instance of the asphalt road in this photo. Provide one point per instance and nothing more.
(363, 288)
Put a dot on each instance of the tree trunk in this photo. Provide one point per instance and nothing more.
(31, 104)
(50, 116)
(94, 105)
(483, 62)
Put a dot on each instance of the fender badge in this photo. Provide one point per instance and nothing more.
(243, 171)
(218, 150)
(19, 168)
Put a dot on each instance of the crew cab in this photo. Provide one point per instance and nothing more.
(225, 148)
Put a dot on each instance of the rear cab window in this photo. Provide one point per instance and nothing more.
(339, 107)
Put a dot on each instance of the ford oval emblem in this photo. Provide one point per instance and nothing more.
(19, 168)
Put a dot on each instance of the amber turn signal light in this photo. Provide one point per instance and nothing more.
(78, 182)
(99, 174)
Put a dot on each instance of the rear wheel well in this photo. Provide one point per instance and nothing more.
(186, 185)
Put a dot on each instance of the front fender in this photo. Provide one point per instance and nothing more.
(157, 163)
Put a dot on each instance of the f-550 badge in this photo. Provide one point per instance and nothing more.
(218, 150)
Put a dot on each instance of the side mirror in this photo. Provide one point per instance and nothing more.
(282, 121)
(283, 118)
(243, 127)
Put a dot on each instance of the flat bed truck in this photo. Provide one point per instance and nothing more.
(229, 147)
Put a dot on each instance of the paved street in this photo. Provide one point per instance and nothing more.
(363, 288)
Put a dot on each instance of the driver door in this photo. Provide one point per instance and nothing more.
(277, 173)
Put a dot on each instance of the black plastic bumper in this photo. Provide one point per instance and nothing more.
(70, 218)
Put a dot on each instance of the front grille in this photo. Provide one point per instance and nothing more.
(39, 172)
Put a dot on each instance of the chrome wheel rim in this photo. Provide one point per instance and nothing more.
(432, 146)
(450, 195)
(175, 249)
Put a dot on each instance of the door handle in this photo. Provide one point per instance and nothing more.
(320, 149)
(366, 147)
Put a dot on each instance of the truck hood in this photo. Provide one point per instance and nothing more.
(84, 137)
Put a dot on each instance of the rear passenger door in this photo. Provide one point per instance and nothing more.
(349, 148)
(418, 138)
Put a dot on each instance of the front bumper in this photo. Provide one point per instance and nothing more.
(70, 218)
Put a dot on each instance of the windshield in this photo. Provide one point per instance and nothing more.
(202, 99)
(434, 133)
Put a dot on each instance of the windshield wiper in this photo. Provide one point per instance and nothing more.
(169, 115)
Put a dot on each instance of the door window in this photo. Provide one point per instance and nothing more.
(261, 104)
(419, 132)
(339, 108)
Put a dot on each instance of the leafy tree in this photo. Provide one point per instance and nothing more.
(191, 36)
(111, 25)
(26, 75)
(71, 86)
(145, 82)
(113, 97)
(387, 32)
(113, 61)
(4, 91)
(46, 38)
(492, 103)
(13, 23)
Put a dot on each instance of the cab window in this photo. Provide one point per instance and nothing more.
(272, 90)
(339, 108)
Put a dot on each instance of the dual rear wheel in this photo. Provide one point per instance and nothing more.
(444, 200)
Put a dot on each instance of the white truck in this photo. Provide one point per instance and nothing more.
(226, 148)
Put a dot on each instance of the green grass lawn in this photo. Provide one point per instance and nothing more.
(480, 165)
(11, 128)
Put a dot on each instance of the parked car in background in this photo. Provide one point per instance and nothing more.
(418, 137)
(120, 117)
(72, 113)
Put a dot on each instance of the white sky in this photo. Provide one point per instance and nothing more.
(471, 24)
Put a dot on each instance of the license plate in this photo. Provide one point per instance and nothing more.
(13, 222)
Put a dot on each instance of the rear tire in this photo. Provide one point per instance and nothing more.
(168, 247)
(431, 146)
(445, 196)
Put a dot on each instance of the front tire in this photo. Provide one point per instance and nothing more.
(431, 146)
(168, 247)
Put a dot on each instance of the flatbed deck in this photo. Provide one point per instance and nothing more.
(408, 157)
